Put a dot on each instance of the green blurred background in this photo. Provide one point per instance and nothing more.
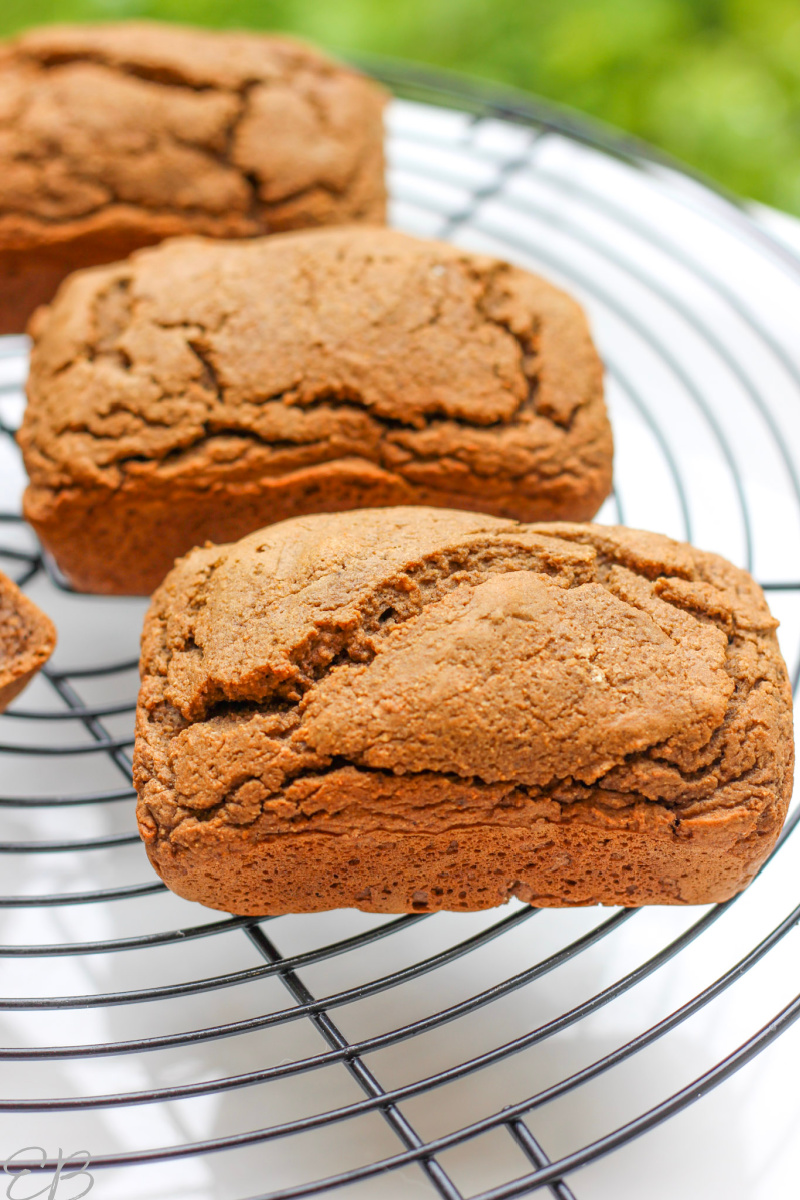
(715, 82)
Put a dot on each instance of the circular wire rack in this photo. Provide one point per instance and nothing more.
(484, 1055)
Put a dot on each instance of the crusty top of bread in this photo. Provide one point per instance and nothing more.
(27, 639)
(241, 360)
(232, 131)
(572, 664)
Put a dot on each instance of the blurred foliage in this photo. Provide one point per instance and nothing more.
(715, 82)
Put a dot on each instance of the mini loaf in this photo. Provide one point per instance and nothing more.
(202, 390)
(415, 709)
(27, 639)
(114, 137)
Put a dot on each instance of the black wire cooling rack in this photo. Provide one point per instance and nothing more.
(485, 1055)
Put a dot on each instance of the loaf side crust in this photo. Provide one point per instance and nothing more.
(202, 390)
(113, 137)
(412, 709)
(27, 639)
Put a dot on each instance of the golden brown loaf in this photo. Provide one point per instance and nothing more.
(27, 639)
(203, 389)
(113, 137)
(414, 709)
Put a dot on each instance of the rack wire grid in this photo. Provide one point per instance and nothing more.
(485, 1055)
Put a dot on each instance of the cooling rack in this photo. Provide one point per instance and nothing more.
(578, 1053)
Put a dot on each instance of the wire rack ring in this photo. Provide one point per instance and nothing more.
(480, 1056)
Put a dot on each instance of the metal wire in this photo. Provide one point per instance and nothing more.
(69, 794)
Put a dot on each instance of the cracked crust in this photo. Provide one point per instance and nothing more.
(27, 639)
(205, 389)
(411, 709)
(115, 137)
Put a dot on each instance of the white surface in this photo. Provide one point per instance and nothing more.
(685, 366)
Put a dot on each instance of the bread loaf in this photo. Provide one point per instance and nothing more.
(27, 639)
(201, 390)
(414, 709)
(115, 136)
